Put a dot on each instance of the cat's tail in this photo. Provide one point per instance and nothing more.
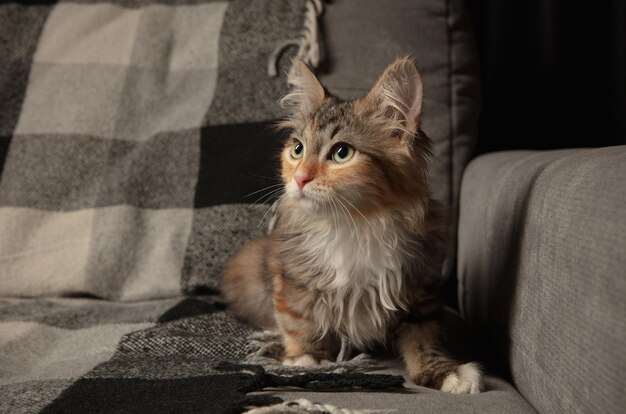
(247, 284)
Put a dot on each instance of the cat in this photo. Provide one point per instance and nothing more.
(356, 251)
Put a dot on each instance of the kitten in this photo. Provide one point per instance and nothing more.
(358, 244)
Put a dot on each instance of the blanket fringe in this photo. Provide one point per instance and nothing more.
(308, 43)
(266, 349)
(302, 406)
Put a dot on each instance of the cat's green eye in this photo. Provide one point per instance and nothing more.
(342, 153)
(297, 151)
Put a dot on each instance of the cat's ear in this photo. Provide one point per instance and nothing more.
(396, 99)
(307, 93)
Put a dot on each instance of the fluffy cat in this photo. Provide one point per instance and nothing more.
(356, 251)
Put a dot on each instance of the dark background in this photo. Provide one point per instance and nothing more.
(552, 73)
(552, 76)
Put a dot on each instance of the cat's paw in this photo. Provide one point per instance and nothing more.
(305, 360)
(466, 379)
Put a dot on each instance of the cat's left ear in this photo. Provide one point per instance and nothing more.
(396, 99)
(307, 93)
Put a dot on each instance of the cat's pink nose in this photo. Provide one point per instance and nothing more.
(303, 179)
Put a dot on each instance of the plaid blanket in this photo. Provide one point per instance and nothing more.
(130, 133)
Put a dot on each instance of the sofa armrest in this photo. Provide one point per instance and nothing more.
(542, 272)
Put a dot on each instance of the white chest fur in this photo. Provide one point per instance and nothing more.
(361, 284)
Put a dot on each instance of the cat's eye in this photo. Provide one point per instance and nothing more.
(297, 151)
(342, 153)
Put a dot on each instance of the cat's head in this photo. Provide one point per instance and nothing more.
(368, 155)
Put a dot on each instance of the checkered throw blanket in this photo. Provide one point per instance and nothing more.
(131, 132)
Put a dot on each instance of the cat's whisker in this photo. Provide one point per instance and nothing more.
(266, 178)
(329, 207)
(356, 230)
(375, 233)
(268, 210)
(354, 207)
(262, 189)
(265, 215)
(335, 219)
(337, 205)
(269, 195)
(273, 196)
(264, 198)
(369, 223)
(352, 218)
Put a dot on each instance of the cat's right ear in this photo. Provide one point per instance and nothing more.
(307, 93)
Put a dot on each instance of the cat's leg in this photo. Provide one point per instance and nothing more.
(301, 349)
(430, 365)
(302, 346)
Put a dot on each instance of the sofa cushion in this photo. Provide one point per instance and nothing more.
(500, 397)
(361, 37)
(542, 267)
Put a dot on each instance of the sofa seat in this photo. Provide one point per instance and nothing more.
(499, 397)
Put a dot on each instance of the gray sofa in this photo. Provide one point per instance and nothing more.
(542, 272)
(131, 135)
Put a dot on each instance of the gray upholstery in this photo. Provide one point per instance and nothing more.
(500, 397)
(542, 268)
(363, 36)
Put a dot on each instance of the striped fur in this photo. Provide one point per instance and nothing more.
(356, 252)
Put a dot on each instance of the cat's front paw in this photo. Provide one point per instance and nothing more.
(305, 360)
(466, 379)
